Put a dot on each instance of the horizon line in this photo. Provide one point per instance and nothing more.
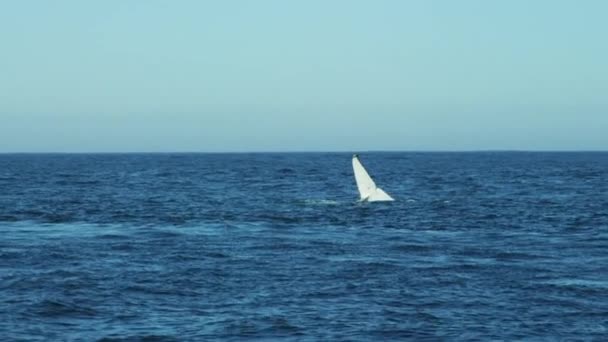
(316, 151)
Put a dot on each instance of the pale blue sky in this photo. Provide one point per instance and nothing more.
(320, 75)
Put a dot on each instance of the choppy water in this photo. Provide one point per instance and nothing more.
(164, 247)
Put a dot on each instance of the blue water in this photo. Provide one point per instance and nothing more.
(178, 247)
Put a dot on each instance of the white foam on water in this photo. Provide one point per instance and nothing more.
(574, 282)
(320, 202)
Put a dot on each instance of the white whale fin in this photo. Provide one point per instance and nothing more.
(368, 191)
(380, 195)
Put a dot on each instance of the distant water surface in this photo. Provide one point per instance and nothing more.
(173, 247)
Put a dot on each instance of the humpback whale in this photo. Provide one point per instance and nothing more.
(368, 191)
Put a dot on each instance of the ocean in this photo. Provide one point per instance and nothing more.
(275, 246)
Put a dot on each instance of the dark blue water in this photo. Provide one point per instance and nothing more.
(164, 247)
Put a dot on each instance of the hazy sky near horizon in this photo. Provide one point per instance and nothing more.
(273, 75)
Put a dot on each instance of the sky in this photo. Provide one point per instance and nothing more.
(314, 75)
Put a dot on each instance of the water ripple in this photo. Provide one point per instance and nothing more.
(479, 246)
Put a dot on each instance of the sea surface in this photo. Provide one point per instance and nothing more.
(199, 247)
